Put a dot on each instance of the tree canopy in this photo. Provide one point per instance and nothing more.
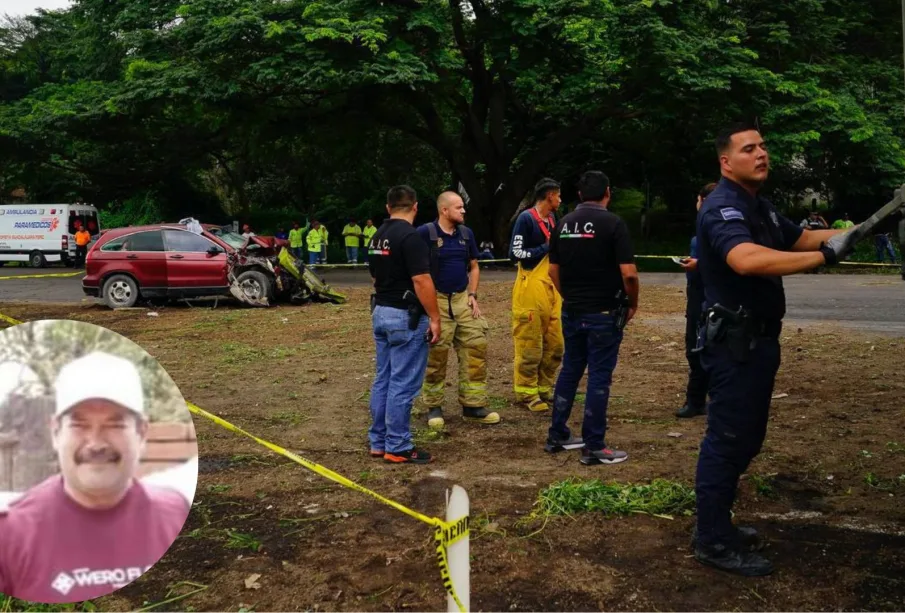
(236, 106)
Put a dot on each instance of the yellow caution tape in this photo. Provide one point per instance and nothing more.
(494, 261)
(445, 533)
(363, 265)
(875, 264)
(9, 320)
(44, 276)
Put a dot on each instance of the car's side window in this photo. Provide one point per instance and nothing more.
(144, 241)
(140, 241)
(115, 245)
(185, 241)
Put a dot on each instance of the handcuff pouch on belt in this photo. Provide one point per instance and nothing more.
(734, 329)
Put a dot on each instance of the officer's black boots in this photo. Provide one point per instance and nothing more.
(690, 411)
(734, 560)
(747, 537)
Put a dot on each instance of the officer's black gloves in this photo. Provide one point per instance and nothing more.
(839, 246)
(828, 254)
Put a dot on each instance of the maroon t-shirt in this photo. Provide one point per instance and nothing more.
(53, 550)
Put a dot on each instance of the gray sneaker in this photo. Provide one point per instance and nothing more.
(602, 456)
(563, 444)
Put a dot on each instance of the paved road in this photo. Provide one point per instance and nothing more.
(873, 303)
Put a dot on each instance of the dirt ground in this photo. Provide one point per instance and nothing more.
(827, 490)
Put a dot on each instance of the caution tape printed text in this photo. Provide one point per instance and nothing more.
(445, 533)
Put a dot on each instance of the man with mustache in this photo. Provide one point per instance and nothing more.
(745, 247)
(94, 527)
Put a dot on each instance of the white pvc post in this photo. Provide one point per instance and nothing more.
(458, 556)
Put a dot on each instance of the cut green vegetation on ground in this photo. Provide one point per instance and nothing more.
(660, 497)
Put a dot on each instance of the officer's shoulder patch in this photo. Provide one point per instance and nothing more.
(731, 213)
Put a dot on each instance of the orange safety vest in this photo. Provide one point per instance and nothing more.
(82, 238)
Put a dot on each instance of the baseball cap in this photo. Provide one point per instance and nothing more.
(100, 375)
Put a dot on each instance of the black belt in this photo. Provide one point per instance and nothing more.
(738, 330)
(449, 299)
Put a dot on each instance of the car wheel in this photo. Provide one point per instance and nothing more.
(36, 259)
(120, 291)
(255, 285)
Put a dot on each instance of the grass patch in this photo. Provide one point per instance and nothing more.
(496, 403)
(248, 458)
(241, 353)
(171, 597)
(292, 418)
(642, 421)
(215, 323)
(218, 488)
(660, 497)
(238, 540)
(8, 603)
(885, 485)
(367, 475)
(421, 436)
(764, 485)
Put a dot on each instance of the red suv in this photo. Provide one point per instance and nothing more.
(169, 261)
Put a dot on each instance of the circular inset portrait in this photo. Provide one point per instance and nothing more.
(98, 461)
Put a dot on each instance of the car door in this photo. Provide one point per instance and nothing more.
(140, 254)
(192, 267)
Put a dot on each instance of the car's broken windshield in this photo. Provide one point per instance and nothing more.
(232, 239)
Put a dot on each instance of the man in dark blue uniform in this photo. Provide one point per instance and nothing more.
(744, 249)
(696, 390)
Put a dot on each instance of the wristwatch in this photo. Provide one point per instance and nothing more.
(473, 295)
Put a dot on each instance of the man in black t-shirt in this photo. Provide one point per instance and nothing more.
(405, 318)
(592, 267)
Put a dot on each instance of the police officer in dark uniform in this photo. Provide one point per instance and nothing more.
(405, 319)
(696, 390)
(744, 248)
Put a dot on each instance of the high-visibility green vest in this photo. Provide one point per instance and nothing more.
(352, 234)
(314, 241)
(368, 232)
(295, 238)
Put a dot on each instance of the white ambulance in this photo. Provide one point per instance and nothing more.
(42, 233)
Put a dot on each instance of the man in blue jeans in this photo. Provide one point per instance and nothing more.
(592, 267)
(406, 320)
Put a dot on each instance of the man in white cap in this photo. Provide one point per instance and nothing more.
(94, 527)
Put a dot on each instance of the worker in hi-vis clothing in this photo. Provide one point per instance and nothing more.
(536, 305)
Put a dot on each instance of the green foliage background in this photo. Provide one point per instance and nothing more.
(270, 110)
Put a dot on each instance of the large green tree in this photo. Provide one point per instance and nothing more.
(232, 94)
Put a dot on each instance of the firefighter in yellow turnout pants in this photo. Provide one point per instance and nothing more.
(455, 272)
(536, 305)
